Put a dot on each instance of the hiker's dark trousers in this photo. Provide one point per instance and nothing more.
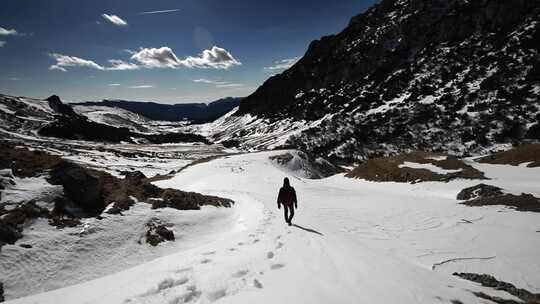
(289, 212)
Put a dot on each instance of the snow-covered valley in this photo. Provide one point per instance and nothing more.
(353, 241)
(411, 137)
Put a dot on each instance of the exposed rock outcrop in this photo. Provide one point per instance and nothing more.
(305, 166)
(490, 281)
(158, 233)
(487, 195)
(480, 190)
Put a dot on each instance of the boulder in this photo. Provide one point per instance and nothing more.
(81, 187)
(8, 233)
(158, 233)
(480, 190)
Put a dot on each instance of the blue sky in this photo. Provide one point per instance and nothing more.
(168, 51)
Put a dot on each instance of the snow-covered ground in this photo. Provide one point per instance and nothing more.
(355, 242)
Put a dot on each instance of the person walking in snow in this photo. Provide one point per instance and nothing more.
(287, 198)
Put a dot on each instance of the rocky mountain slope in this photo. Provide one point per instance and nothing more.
(193, 112)
(454, 76)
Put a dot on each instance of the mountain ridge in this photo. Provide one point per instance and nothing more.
(195, 112)
(452, 76)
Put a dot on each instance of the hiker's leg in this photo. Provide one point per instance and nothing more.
(291, 213)
(286, 213)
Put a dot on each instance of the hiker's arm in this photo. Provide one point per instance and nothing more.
(279, 200)
(295, 201)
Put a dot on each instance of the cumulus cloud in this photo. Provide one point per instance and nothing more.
(160, 12)
(283, 64)
(2, 43)
(216, 58)
(164, 57)
(6, 32)
(120, 65)
(63, 61)
(114, 19)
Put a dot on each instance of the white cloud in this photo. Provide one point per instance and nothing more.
(6, 32)
(283, 64)
(120, 65)
(63, 61)
(208, 81)
(229, 85)
(160, 12)
(114, 84)
(218, 84)
(162, 57)
(114, 19)
(144, 86)
(2, 43)
(216, 58)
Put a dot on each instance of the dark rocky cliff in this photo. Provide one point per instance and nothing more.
(449, 75)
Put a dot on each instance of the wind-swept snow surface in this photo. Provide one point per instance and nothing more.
(353, 242)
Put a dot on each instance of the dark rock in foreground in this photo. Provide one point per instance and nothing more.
(480, 190)
(487, 195)
(490, 281)
(9, 234)
(158, 233)
(87, 192)
(523, 202)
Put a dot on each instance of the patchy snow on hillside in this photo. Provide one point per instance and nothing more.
(353, 242)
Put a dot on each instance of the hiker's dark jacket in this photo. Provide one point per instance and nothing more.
(287, 196)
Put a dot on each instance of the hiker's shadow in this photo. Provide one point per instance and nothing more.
(307, 229)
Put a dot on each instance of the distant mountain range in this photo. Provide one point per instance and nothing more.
(454, 76)
(193, 112)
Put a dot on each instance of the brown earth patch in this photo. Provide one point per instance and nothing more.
(24, 162)
(518, 155)
(386, 169)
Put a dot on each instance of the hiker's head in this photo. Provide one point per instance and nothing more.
(286, 182)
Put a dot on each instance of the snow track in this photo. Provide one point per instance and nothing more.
(353, 242)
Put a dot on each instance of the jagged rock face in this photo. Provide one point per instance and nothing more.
(446, 75)
(58, 106)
